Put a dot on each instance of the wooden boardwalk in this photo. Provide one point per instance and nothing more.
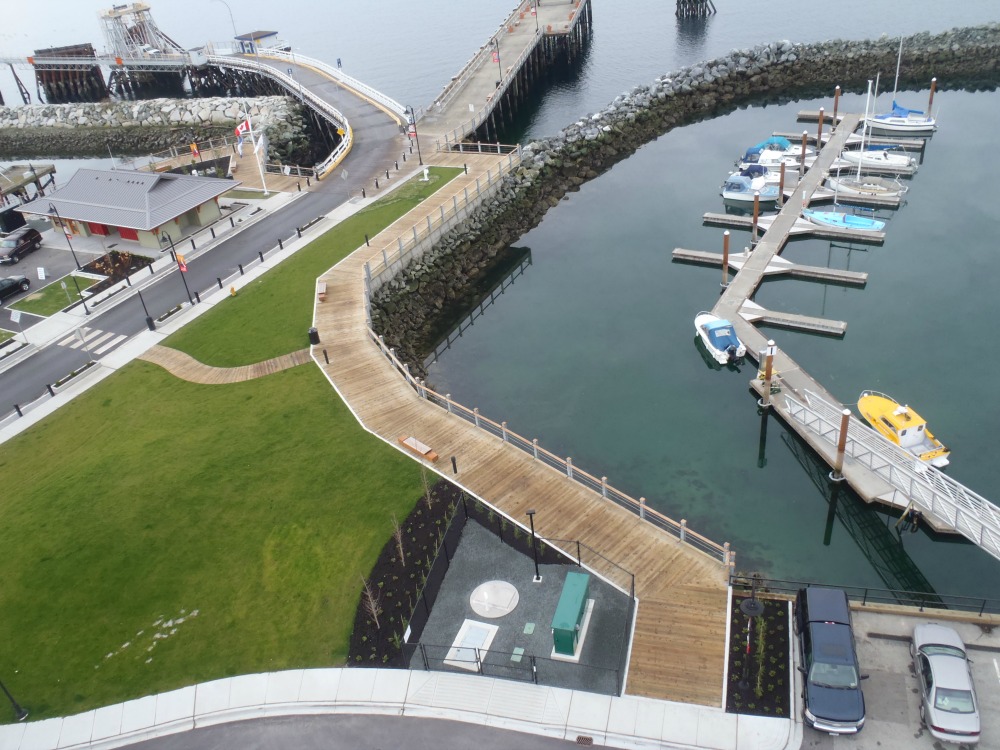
(186, 367)
(679, 647)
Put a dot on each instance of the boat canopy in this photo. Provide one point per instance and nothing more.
(777, 141)
(754, 170)
(721, 335)
(900, 111)
(737, 183)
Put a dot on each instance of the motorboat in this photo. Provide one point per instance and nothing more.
(741, 186)
(901, 119)
(780, 143)
(719, 337)
(772, 159)
(877, 157)
(901, 425)
(843, 220)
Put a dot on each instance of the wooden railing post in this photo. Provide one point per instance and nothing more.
(448, 398)
(534, 447)
(642, 508)
(475, 413)
(569, 467)
(503, 427)
(604, 487)
(683, 529)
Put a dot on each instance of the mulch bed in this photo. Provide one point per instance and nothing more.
(115, 265)
(763, 688)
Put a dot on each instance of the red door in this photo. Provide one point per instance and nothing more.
(128, 234)
(97, 229)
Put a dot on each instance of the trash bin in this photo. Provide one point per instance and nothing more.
(313, 336)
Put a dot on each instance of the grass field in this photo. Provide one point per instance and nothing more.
(4, 335)
(151, 542)
(53, 298)
(280, 303)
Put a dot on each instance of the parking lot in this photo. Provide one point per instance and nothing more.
(891, 692)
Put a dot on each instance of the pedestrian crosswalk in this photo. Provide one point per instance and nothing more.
(93, 340)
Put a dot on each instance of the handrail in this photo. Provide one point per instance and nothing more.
(608, 492)
(324, 108)
(912, 481)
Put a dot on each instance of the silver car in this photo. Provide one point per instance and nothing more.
(948, 704)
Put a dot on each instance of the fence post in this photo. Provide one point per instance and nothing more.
(428, 224)
(683, 529)
(642, 507)
(448, 397)
(385, 257)
(475, 413)
(479, 663)
(442, 214)
(726, 555)
(406, 371)
(604, 487)
(414, 234)
(503, 426)
(534, 447)
(569, 467)
(579, 559)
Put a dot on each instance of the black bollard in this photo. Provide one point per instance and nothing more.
(151, 271)
(192, 244)
(454, 465)
(51, 392)
(260, 255)
(220, 281)
(326, 357)
(363, 192)
(128, 280)
(212, 230)
(197, 297)
(241, 268)
(404, 157)
(376, 183)
(18, 410)
(366, 241)
(387, 174)
(307, 182)
(298, 186)
(299, 230)
(397, 165)
(281, 246)
(466, 168)
(232, 222)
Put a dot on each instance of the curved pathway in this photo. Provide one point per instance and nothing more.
(186, 367)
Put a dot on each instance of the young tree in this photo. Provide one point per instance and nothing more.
(397, 534)
(370, 600)
(428, 497)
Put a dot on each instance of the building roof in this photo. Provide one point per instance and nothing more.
(256, 35)
(127, 198)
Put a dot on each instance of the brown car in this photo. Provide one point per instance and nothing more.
(19, 243)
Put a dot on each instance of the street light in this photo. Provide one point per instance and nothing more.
(149, 318)
(53, 210)
(534, 545)
(416, 137)
(231, 20)
(178, 258)
(20, 713)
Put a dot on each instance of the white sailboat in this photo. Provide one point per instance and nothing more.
(867, 185)
(900, 119)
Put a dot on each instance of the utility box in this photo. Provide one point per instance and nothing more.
(568, 619)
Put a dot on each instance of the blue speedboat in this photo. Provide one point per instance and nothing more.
(842, 220)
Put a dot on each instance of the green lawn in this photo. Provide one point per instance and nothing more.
(257, 505)
(280, 303)
(4, 335)
(236, 194)
(53, 298)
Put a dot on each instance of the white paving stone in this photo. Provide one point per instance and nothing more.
(356, 686)
(76, 729)
(716, 729)
(589, 712)
(211, 697)
(623, 716)
(680, 724)
(283, 687)
(247, 690)
(41, 735)
(763, 732)
(108, 722)
(11, 735)
(139, 714)
(175, 705)
(319, 685)
(391, 685)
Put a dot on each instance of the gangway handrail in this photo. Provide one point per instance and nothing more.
(338, 75)
(324, 108)
(912, 481)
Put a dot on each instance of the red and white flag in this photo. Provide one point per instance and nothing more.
(243, 127)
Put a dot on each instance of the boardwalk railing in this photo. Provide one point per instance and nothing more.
(395, 258)
(932, 492)
(340, 76)
(600, 485)
(228, 142)
(323, 108)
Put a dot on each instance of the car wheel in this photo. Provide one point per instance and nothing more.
(25, 286)
(14, 258)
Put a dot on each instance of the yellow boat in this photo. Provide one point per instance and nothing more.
(902, 426)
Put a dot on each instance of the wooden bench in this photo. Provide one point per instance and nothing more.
(419, 448)
(321, 291)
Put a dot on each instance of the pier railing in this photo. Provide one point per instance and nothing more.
(599, 485)
(912, 481)
(395, 258)
(325, 109)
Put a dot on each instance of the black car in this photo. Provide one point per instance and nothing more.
(19, 243)
(11, 285)
(833, 701)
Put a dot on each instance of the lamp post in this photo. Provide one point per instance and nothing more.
(496, 54)
(534, 545)
(180, 267)
(231, 19)
(79, 294)
(20, 713)
(53, 210)
(149, 318)
(416, 137)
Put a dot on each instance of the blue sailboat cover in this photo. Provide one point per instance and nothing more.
(782, 144)
(900, 111)
(721, 335)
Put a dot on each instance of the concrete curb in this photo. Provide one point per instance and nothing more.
(627, 722)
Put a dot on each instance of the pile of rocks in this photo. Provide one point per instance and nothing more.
(405, 310)
(140, 127)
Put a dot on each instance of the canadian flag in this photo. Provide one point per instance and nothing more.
(243, 127)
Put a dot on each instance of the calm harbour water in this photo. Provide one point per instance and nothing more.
(592, 349)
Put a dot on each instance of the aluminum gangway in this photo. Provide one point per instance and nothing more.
(910, 481)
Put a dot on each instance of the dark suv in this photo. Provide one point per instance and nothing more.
(833, 701)
(19, 243)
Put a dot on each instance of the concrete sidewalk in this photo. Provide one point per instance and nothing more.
(553, 712)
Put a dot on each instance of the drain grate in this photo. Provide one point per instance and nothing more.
(583, 739)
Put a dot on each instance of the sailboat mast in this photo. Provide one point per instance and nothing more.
(864, 127)
(899, 59)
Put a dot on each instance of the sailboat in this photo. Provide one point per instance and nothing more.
(901, 119)
(866, 185)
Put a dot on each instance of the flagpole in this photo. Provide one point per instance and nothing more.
(256, 151)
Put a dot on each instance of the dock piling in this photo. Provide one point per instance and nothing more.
(756, 217)
(930, 101)
(819, 132)
(781, 186)
(768, 356)
(837, 475)
(802, 161)
(836, 103)
(725, 259)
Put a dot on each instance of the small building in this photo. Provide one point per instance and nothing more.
(257, 42)
(151, 208)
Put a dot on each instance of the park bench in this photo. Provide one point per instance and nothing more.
(419, 448)
(321, 291)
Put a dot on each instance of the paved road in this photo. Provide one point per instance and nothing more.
(375, 150)
(353, 732)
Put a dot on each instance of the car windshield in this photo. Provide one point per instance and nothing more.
(936, 649)
(8, 243)
(833, 675)
(954, 701)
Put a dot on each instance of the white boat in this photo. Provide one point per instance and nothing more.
(772, 159)
(843, 220)
(743, 187)
(719, 338)
(875, 157)
(900, 119)
(780, 143)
